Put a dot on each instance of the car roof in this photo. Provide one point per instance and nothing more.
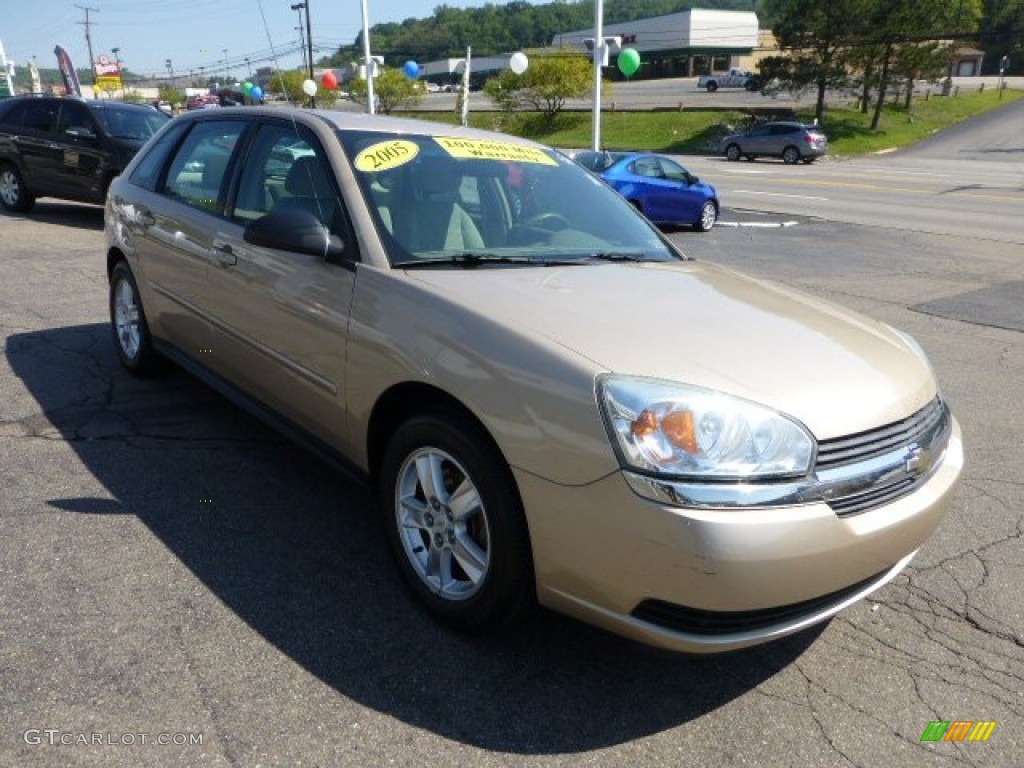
(358, 121)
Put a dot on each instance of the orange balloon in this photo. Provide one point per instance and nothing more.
(329, 81)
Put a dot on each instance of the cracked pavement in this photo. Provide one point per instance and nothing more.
(169, 565)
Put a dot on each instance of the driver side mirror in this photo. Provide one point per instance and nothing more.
(294, 230)
(80, 132)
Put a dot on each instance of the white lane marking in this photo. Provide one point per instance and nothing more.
(760, 224)
(775, 194)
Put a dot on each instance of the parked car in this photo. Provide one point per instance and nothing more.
(733, 78)
(67, 148)
(552, 402)
(203, 101)
(792, 141)
(659, 187)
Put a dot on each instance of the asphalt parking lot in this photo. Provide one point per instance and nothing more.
(180, 586)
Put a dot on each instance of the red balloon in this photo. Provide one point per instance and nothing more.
(329, 81)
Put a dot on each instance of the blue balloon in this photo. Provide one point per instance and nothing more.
(411, 69)
(256, 93)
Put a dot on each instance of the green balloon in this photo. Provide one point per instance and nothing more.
(629, 61)
(247, 86)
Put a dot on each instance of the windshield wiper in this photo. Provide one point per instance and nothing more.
(618, 256)
(467, 259)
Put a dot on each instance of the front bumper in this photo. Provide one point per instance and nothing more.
(601, 552)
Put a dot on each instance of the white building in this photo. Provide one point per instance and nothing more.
(679, 44)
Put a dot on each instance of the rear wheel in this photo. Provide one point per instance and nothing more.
(13, 194)
(456, 523)
(732, 152)
(790, 155)
(128, 322)
(712, 86)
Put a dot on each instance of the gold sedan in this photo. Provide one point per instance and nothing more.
(553, 403)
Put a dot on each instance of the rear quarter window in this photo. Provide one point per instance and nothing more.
(153, 157)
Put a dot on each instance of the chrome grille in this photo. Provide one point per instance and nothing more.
(897, 447)
(877, 442)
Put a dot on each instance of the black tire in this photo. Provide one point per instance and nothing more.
(712, 86)
(128, 324)
(14, 196)
(485, 547)
(708, 216)
(791, 155)
(733, 152)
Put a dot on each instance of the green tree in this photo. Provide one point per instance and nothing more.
(547, 84)
(816, 36)
(392, 88)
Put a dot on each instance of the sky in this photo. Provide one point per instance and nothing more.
(192, 33)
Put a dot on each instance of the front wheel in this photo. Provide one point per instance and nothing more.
(128, 322)
(732, 152)
(456, 523)
(791, 155)
(708, 216)
(712, 87)
(13, 194)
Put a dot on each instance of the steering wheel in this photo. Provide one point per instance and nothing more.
(552, 222)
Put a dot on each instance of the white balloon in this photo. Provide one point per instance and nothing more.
(518, 63)
(309, 87)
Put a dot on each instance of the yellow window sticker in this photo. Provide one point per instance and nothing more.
(385, 155)
(484, 149)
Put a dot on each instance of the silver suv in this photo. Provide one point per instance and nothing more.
(790, 140)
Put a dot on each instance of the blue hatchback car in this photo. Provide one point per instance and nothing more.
(659, 187)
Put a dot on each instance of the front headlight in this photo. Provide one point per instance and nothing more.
(674, 429)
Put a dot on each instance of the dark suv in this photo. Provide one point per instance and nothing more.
(68, 148)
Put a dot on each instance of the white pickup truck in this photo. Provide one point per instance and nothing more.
(734, 78)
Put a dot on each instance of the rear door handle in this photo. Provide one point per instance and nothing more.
(224, 254)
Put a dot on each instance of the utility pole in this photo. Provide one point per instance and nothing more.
(88, 38)
(302, 45)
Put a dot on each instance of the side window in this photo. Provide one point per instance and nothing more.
(42, 115)
(672, 170)
(198, 171)
(14, 114)
(75, 115)
(647, 167)
(286, 170)
(147, 171)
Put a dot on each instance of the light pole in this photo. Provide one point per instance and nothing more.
(309, 41)
(248, 66)
(170, 70)
(302, 32)
(227, 72)
(117, 61)
(302, 44)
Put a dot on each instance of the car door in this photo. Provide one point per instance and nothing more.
(280, 318)
(686, 198)
(758, 140)
(178, 225)
(35, 143)
(782, 137)
(81, 153)
(656, 194)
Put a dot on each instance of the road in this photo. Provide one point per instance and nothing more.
(967, 183)
(170, 567)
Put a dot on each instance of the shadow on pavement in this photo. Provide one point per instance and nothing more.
(296, 552)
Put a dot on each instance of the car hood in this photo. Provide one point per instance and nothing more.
(833, 369)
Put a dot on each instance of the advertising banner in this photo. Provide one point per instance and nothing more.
(67, 71)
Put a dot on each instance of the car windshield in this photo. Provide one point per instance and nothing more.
(128, 123)
(458, 202)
